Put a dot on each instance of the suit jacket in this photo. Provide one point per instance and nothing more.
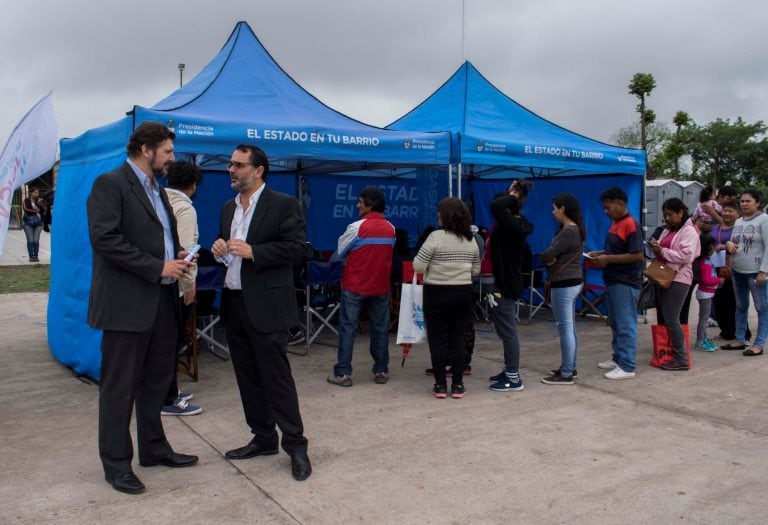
(128, 252)
(276, 235)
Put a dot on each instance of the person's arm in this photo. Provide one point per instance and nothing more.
(347, 240)
(27, 206)
(761, 275)
(504, 218)
(476, 261)
(104, 208)
(708, 276)
(561, 243)
(687, 247)
(186, 225)
(713, 212)
(633, 254)
(617, 258)
(426, 252)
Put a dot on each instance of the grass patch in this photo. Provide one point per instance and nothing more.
(28, 278)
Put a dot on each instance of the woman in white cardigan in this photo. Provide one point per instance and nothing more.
(448, 259)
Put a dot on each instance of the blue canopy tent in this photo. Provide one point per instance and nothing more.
(241, 96)
(495, 139)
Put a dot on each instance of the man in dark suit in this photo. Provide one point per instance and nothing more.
(261, 238)
(134, 299)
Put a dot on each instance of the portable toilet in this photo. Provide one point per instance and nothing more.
(691, 192)
(656, 192)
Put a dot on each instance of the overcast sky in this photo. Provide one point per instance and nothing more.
(374, 60)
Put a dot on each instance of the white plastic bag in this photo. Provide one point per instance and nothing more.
(411, 327)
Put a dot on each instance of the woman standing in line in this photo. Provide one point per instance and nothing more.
(724, 301)
(678, 246)
(748, 248)
(448, 259)
(563, 258)
(33, 224)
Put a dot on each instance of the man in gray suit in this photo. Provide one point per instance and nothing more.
(134, 299)
(261, 238)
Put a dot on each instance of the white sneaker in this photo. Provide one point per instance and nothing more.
(618, 373)
(607, 365)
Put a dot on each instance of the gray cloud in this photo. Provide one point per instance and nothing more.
(570, 62)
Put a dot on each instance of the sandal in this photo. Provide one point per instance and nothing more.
(733, 346)
(751, 352)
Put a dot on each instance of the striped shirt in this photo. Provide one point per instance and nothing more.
(447, 259)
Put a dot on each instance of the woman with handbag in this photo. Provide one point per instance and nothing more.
(448, 259)
(563, 258)
(33, 224)
(677, 248)
(748, 249)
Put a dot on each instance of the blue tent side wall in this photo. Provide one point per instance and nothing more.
(538, 208)
(71, 340)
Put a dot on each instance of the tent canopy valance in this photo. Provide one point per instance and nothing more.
(498, 137)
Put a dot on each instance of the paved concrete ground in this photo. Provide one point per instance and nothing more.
(15, 250)
(662, 448)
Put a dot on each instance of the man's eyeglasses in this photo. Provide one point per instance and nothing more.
(237, 165)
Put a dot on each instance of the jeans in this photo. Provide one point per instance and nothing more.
(563, 305)
(447, 311)
(621, 300)
(349, 316)
(33, 238)
(672, 302)
(725, 304)
(505, 323)
(745, 284)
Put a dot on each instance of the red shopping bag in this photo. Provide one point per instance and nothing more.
(662, 344)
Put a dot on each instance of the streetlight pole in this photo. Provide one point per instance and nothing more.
(181, 75)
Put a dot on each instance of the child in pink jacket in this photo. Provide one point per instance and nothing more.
(708, 282)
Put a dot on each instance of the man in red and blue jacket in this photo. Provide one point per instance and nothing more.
(366, 246)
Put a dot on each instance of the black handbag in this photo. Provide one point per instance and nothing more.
(647, 297)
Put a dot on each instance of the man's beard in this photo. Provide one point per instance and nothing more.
(242, 185)
(161, 171)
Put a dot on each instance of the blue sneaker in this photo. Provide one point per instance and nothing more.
(185, 396)
(709, 345)
(180, 408)
(498, 377)
(512, 382)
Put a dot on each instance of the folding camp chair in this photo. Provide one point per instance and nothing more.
(482, 285)
(322, 289)
(536, 300)
(592, 294)
(209, 281)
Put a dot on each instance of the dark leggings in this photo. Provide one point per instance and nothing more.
(447, 311)
(671, 301)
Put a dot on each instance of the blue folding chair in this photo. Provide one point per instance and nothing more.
(322, 290)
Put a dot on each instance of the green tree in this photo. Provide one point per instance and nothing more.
(736, 151)
(641, 86)
(677, 146)
(657, 137)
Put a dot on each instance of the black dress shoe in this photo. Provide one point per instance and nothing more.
(252, 449)
(300, 467)
(173, 459)
(127, 482)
